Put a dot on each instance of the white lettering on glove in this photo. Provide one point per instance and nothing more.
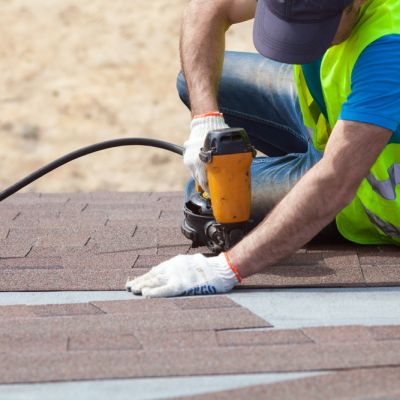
(199, 128)
(186, 275)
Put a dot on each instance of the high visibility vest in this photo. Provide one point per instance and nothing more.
(373, 216)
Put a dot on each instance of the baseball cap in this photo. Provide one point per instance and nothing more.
(296, 31)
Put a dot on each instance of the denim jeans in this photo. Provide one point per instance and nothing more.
(260, 96)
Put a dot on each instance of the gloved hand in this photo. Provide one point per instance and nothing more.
(199, 128)
(187, 275)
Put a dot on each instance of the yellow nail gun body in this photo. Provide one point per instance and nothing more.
(221, 219)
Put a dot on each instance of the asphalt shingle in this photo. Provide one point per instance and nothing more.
(265, 337)
(94, 239)
(311, 269)
(102, 363)
(374, 383)
(142, 229)
(97, 241)
(162, 337)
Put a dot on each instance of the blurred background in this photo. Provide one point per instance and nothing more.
(74, 73)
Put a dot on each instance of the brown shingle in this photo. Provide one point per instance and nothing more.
(381, 268)
(381, 275)
(375, 383)
(78, 239)
(135, 214)
(166, 236)
(383, 258)
(311, 269)
(17, 311)
(172, 250)
(14, 249)
(390, 332)
(64, 310)
(103, 342)
(136, 306)
(181, 320)
(156, 340)
(31, 263)
(144, 261)
(32, 344)
(335, 334)
(121, 260)
(265, 338)
(199, 302)
(193, 361)
(58, 251)
(4, 231)
(65, 279)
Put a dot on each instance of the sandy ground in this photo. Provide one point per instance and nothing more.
(74, 73)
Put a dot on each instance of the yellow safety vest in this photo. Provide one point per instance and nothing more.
(373, 217)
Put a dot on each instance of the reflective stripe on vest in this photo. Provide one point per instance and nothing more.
(387, 188)
(386, 227)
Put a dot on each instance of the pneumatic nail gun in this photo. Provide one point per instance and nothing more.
(221, 218)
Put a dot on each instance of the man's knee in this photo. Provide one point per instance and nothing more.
(182, 89)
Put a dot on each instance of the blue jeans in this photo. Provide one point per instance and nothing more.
(260, 96)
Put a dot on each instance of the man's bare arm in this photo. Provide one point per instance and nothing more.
(202, 46)
(315, 200)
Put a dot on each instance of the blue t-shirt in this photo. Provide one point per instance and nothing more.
(375, 86)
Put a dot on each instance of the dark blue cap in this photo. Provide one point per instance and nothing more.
(296, 31)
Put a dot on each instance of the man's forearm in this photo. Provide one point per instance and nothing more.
(202, 50)
(202, 46)
(306, 209)
(313, 203)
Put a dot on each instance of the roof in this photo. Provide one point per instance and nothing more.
(272, 328)
(95, 241)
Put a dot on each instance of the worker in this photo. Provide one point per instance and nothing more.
(321, 100)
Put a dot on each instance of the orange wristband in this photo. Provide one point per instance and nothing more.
(232, 267)
(209, 114)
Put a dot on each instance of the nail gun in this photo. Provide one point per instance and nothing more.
(221, 218)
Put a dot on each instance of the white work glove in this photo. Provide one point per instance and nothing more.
(199, 128)
(187, 275)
